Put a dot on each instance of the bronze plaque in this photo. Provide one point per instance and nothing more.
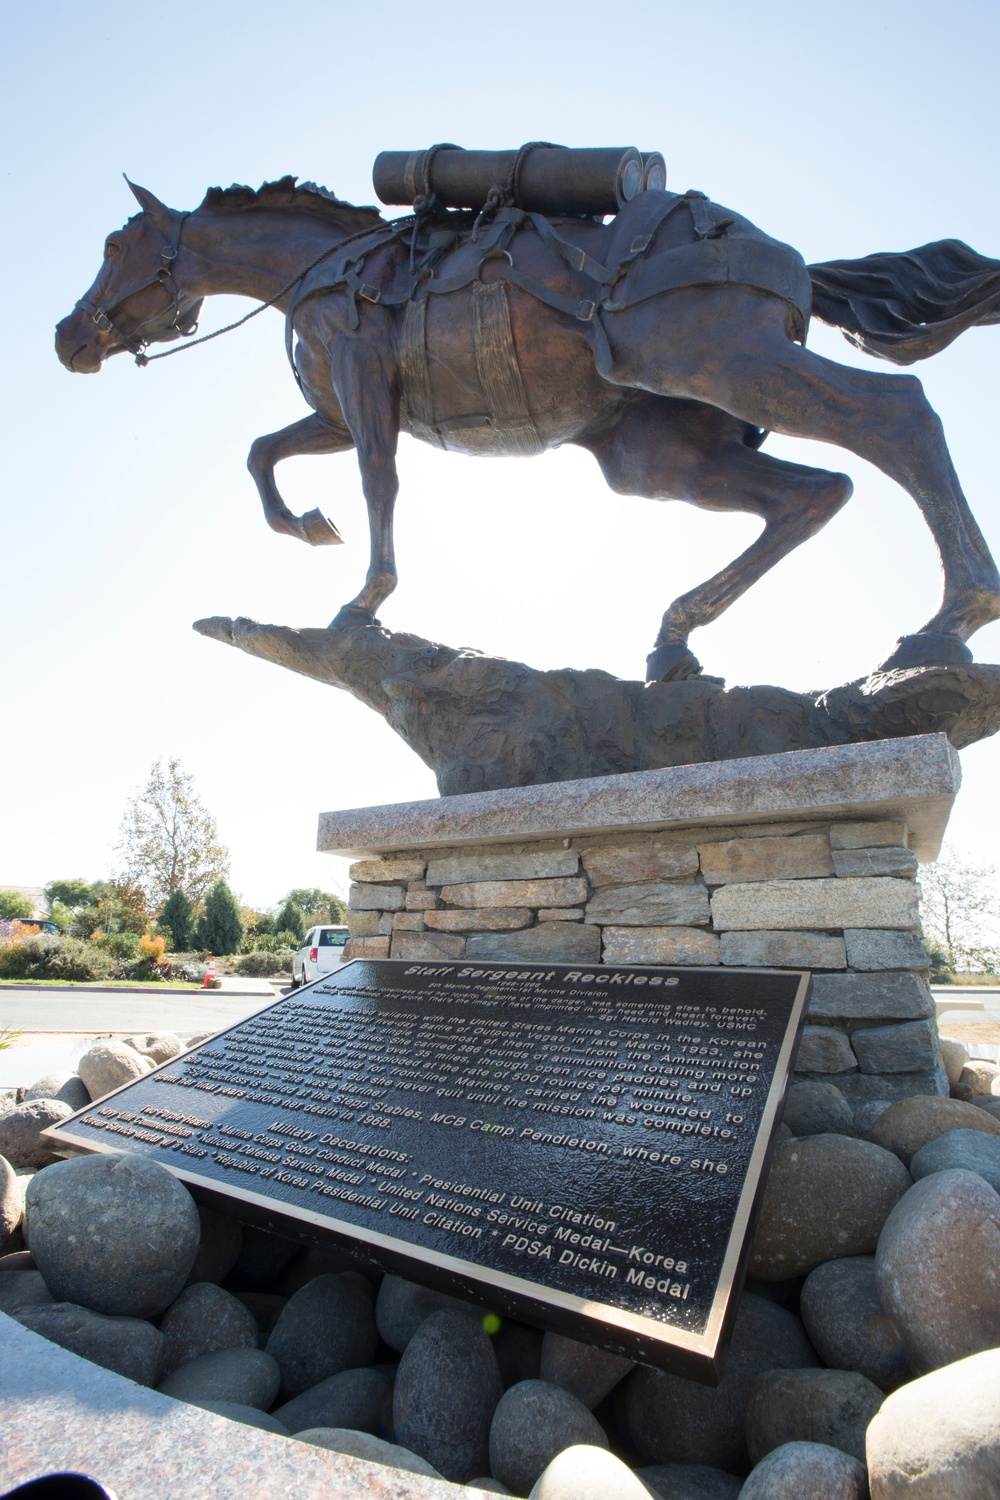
(581, 1148)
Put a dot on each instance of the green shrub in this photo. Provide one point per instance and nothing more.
(50, 957)
(220, 927)
(290, 920)
(177, 917)
(257, 965)
(286, 939)
(118, 945)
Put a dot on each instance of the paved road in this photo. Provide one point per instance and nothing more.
(94, 1011)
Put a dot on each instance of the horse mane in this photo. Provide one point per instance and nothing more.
(289, 193)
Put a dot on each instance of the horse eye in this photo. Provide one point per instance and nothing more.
(110, 249)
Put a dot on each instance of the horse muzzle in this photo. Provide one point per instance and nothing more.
(80, 344)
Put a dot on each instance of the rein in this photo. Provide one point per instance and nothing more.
(164, 277)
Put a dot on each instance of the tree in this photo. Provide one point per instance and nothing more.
(14, 907)
(318, 906)
(178, 915)
(291, 919)
(168, 842)
(961, 914)
(72, 893)
(220, 926)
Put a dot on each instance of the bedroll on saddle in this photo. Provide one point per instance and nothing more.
(540, 178)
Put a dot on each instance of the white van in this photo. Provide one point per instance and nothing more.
(322, 950)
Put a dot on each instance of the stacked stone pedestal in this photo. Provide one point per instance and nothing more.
(803, 860)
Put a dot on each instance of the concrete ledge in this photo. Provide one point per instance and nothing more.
(59, 1412)
(914, 780)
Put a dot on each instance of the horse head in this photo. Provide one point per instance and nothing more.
(135, 299)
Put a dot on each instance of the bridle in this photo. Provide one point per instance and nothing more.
(174, 326)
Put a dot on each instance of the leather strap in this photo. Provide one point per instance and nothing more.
(500, 373)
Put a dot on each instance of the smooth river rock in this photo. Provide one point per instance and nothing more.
(588, 1373)
(114, 1233)
(807, 1471)
(817, 1108)
(249, 1377)
(845, 1320)
(374, 1449)
(968, 1149)
(810, 1406)
(107, 1065)
(129, 1346)
(203, 1319)
(938, 1438)
(326, 1327)
(938, 1268)
(586, 1472)
(447, 1389)
(355, 1398)
(690, 1482)
(219, 1245)
(910, 1123)
(11, 1202)
(68, 1087)
(827, 1196)
(672, 1420)
(534, 1422)
(21, 1129)
(401, 1307)
(250, 1416)
(20, 1289)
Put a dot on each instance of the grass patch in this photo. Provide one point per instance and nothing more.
(172, 985)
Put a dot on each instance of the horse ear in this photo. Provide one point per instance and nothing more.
(159, 213)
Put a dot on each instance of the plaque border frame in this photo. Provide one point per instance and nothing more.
(698, 1357)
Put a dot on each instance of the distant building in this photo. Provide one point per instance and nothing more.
(39, 906)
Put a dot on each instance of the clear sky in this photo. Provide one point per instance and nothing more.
(127, 512)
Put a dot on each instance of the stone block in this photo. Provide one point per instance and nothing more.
(824, 1049)
(499, 864)
(553, 942)
(868, 835)
(652, 903)
(898, 862)
(376, 898)
(385, 922)
(623, 864)
(865, 1088)
(362, 923)
(660, 945)
(427, 947)
(479, 919)
(567, 891)
(783, 950)
(407, 921)
(870, 997)
(807, 904)
(869, 948)
(388, 870)
(561, 914)
(804, 858)
(907, 1047)
(366, 947)
(419, 898)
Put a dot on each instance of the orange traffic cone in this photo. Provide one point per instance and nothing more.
(209, 980)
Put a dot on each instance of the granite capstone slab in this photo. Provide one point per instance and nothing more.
(912, 780)
(59, 1412)
(576, 1147)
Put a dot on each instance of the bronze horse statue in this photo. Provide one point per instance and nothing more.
(667, 342)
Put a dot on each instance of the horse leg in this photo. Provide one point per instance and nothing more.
(313, 435)
(755, 372)
(683, 450)
(364, 382)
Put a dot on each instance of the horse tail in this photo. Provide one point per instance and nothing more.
(908, 306)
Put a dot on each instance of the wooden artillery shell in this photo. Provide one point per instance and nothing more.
(551, 179)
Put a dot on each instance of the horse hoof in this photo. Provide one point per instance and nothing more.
(672, 663)
(925, 649)
(319, 531)
(351, 617)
